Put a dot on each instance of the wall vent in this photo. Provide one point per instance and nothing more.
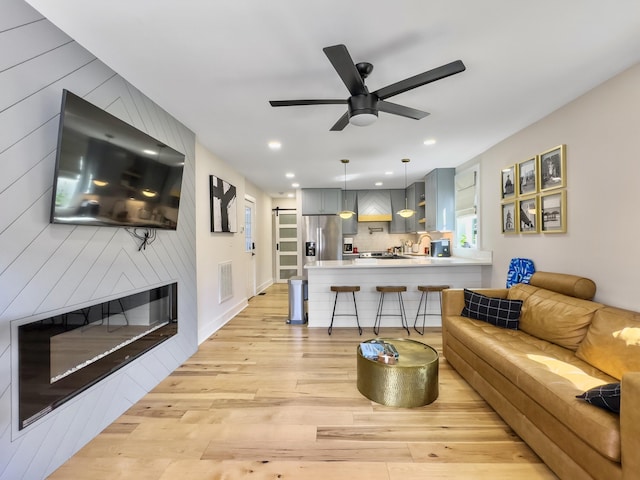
(225, 281)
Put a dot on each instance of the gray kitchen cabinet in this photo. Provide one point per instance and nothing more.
(398, 224)
(321, 201)
(374, 206)
(439, 199)
(350, 225)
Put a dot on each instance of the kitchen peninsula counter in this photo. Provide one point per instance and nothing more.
(410, 271)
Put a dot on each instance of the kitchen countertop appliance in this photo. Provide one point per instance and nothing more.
(347, 245)
(440, 248)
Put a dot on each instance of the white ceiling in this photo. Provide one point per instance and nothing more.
(215, 64)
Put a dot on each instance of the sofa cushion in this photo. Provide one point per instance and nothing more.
(497, 311)
(604, 396)
(612, 343)
(554, 317)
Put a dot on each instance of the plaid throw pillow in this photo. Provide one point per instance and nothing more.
(605, 396)
(496, 311)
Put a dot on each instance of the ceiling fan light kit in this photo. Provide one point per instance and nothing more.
(363, 106)
(363, 119)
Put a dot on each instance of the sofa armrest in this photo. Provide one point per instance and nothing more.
(453, 298)
(630, 424)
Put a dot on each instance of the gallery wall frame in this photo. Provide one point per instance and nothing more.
(527, 177)
(552, 166)
(508, 183)
(528, 215)
(509, 217)
(223, 206)
(553, 212)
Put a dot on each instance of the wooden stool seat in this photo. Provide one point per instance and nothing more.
(432, 288)
(352, 289)
(391, 289)
(425, 289)
(345, 288)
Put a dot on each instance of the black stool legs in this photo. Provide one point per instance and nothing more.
(345, 289)
(380, 314)
(425, 289)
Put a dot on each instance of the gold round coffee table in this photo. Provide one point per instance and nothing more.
(411, 382)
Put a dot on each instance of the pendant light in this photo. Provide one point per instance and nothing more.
(406, 212)
(345, 214)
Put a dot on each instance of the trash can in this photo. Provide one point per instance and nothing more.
(298, 294)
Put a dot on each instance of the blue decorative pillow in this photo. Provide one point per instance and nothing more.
(605, 396)
(496, 311)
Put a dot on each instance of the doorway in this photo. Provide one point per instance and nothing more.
(249, 244)
(286, 232)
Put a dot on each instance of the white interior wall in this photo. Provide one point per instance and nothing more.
(600, 130)
(215, 248)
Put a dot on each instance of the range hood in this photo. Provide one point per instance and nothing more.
(374, 206)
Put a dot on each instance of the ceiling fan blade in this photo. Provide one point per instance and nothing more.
(289, 103)
(342, 122)
(343, 63)
(401, 110)
(421, 79)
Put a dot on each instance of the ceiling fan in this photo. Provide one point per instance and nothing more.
(362, 105)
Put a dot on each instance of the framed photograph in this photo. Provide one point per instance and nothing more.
(223, 205)
(528, 215)
(507, 183)
(528, 177)
(509, 220)
(553, 212)
(552, 168)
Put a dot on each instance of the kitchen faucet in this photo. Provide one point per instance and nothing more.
(420, 238)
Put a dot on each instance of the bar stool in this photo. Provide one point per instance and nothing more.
(425, 289)
(379, 314)
(345, 289)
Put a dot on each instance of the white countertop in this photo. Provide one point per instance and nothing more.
(412, 261)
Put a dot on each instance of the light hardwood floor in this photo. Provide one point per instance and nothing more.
(265, 400)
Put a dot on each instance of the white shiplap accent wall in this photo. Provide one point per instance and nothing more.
(46, 268)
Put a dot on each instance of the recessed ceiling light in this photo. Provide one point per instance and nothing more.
(290, 195)
(430, 141)
(295, 185)
(275, 145)
(388, 173)
(289, 175)
(378, 184)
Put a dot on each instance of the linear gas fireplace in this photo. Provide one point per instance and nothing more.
(61, 356)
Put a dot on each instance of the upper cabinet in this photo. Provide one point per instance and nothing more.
(374, 206)
(321, 201)
(439, 199)
(350, 225)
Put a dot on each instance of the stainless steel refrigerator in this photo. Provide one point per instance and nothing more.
(321, 238)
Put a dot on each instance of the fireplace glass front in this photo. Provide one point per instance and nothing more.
(61, 356)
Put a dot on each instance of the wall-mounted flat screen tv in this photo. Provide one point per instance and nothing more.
(109, 173)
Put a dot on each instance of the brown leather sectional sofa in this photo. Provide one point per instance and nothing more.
(565, 345)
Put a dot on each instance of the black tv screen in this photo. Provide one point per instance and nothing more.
(110, 173)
